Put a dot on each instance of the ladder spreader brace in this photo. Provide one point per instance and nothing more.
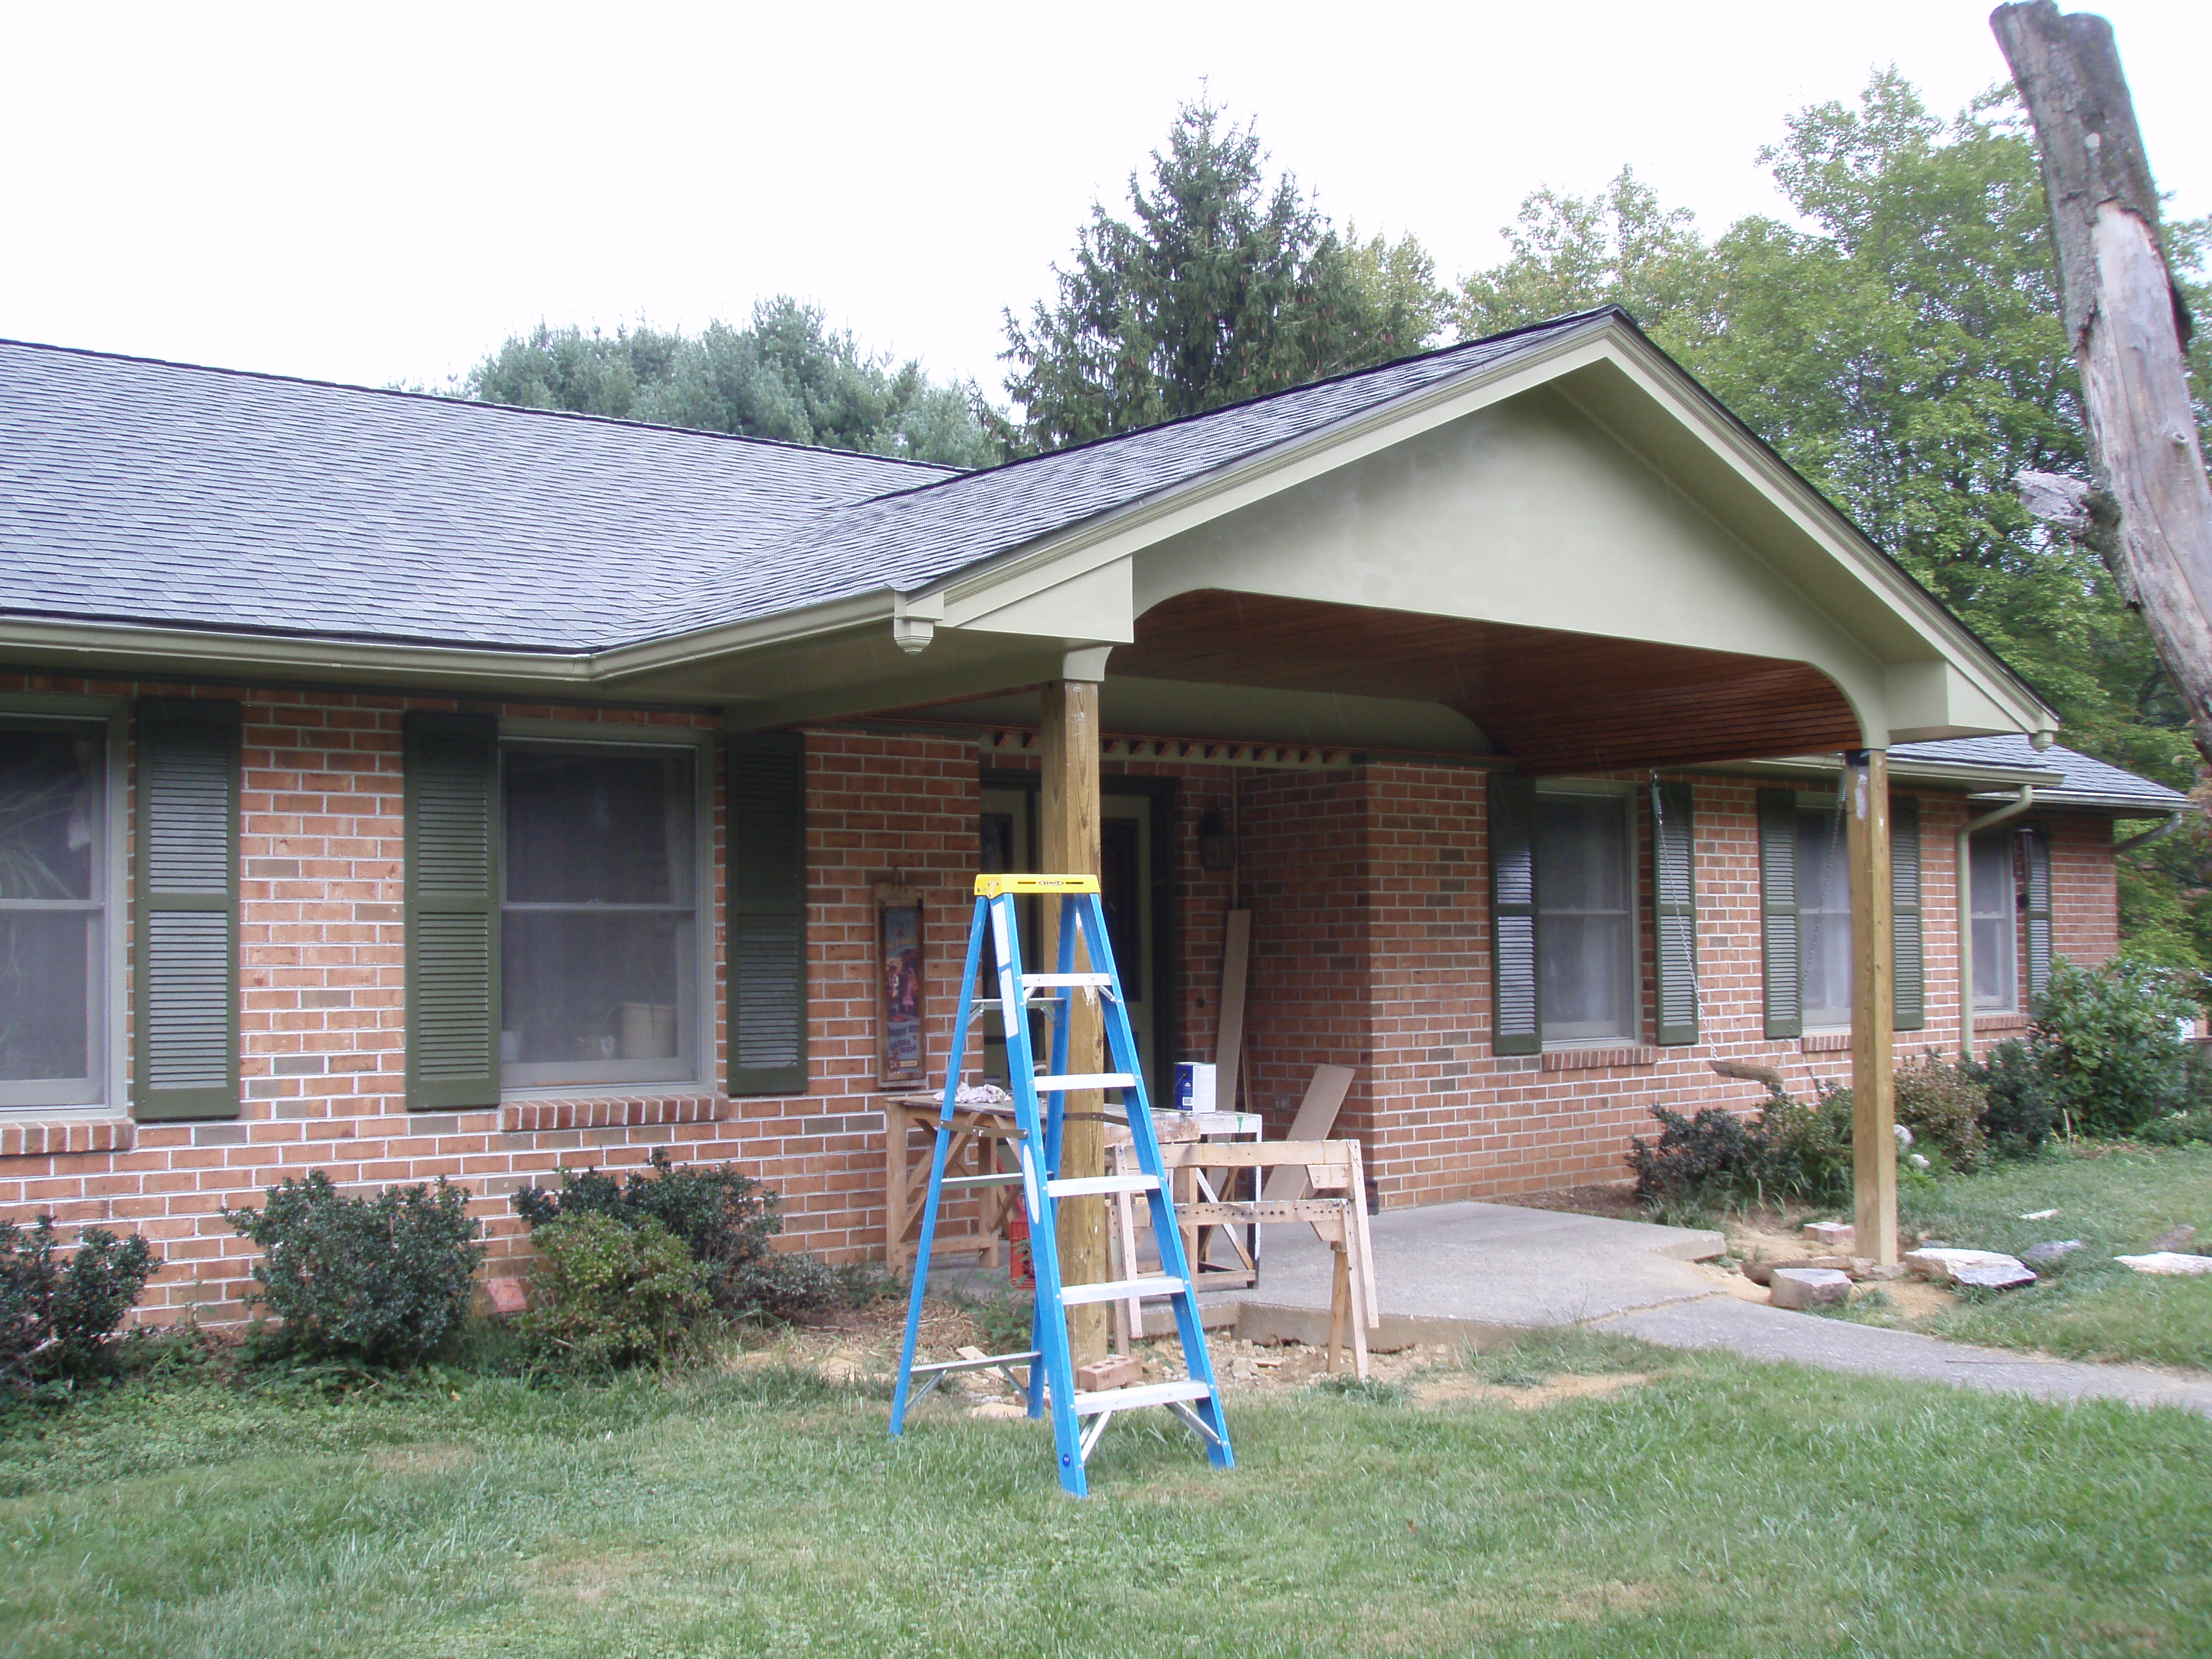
(1050, 1382)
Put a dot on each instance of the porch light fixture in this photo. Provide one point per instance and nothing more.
(1217, 849)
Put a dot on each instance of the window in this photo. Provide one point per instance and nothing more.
(1996, 923)
(54, 886)
(1585, 916)
(1824, 918)
(599, 939)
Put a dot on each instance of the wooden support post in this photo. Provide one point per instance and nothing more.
(1874, 1102)
(1068, 747)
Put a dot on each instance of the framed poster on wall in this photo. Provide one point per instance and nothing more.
(901, 1062)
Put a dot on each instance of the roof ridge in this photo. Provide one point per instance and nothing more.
(1336, 379)
(439, 400)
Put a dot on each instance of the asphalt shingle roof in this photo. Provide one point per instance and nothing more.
(140, 491)
(2088, 780)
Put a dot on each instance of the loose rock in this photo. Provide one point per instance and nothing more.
(2055, 1249)
(1809, 1287)
(1990, 1268)
(1837, 1235)
(2175, 1239)
(2169, 1261)
(1760, 1273)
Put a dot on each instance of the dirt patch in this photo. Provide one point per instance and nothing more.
(1557, 1386)
(592, 1577)
(1915, 1299)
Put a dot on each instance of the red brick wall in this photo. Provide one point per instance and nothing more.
(1369, 889)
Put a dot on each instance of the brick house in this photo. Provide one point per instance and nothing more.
(404, 787)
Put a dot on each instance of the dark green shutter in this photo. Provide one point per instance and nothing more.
(767, 912)
(1674, 911)
(2038, 918)
(452, 911)
(1516, 1011)
(184, 1003)
(1777, 912)
(1909, 978)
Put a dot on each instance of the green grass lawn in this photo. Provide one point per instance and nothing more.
(2117, 1200)
(1720, 1509)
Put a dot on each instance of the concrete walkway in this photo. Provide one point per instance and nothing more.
(1480, 1272)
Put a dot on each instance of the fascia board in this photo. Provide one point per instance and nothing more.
(2121, 805)
(1943, 775)
(1817, 517)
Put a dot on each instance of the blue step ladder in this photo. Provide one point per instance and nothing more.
(1051, 1380)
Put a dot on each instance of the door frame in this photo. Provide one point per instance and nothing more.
(1166, 896)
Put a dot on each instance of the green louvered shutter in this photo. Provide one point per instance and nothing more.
(1777, 912)
(767, 912)
(452, 911)
(2039, 917)
(1516, 1011)
(185, 986)
(1908, 973)
(1674, 911)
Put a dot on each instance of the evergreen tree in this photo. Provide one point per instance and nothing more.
(1219, 286)
(786, 375)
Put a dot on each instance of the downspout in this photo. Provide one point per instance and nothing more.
(1965, 893)
(2156, 832)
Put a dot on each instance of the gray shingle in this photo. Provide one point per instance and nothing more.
(2088, 780)
(152, 492)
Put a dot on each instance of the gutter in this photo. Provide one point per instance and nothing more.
(2156, 832)
(1966, 910)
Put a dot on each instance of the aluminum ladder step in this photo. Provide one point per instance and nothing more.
(1099, 1186)
(1121, 1290)
(1141, 1394)
(1086, 1080)
(1074, 981)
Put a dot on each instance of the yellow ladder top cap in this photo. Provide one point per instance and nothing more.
(993, 886)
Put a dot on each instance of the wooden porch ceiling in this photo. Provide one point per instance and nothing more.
(1554, 702)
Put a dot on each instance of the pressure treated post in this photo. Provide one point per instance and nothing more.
(1874, 1102)
(1068, 745)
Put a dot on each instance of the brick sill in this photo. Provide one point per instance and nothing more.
(623, 1112)
(1824, 1043)
(54, 1137)
(1586, 1060)
(1989, 1023)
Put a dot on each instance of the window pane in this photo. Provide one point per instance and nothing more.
(46, 962)
(49, 813)
(599, 995)
(1586, 928)
(1994, 922)
(1824, 918)
(597, 829)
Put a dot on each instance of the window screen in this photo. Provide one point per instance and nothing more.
(1824, 918)
(599, 918)
(1586, 923)
(52, 912)
(1996, 923)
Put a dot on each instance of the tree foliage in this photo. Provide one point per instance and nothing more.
(786, 375)
(1218, 286)
(1901, 346)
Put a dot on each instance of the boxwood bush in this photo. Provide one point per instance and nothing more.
(58, 1319)
(383, 1280)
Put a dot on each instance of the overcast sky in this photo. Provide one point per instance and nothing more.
(380, 193)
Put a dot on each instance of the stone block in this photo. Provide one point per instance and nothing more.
(1809, 1287)
(1990, 1269)
(2174, 1239)
(1836, 1235)
(503, 1298)
(1117, 1373)
(2168, 1261)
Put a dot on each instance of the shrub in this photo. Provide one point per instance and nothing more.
(378, 1279)
(2108, 1039)
(1714, 1154)
(2023, 1100)
(1808, 1146)
(57, 1321)
(724, 1217)
(605, 1292)
(1943, 1105)
(2189, 1129)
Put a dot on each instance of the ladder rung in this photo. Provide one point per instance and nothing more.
(1121, 1290)
(963, 1183)
(1143, 1394)
(1086, 1081)
(1088, 1186)
(946, 1368)
(1092, 981)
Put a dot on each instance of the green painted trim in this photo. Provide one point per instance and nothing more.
(1673, 838)
(1782, 968)
(767, 889)
(455, 733)
(1517, 981)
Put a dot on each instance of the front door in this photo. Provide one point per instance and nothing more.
(1133, 899)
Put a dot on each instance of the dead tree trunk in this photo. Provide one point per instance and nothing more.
(2128, 326)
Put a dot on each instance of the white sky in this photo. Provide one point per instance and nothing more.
(382, 193)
